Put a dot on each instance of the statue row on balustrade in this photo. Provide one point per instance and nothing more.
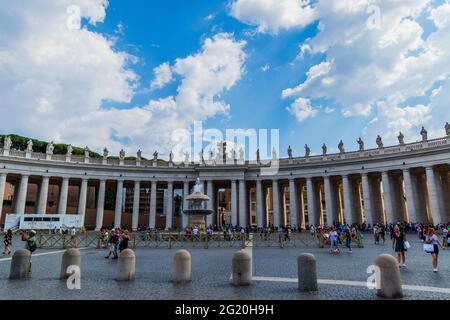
(222, 153)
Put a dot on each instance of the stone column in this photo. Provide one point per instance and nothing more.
(398, 198)
(210, 219)
(63, 192)
(276, 204)
(243, 220)
(234, 204)
(432, 195)
(22, 195)
(410, 203)
(311, 202)
(43, 196)
(348, 208)
(118, 208)
(169, 205)
(368, 212)
(82, 199)
(185, 204)
(2, 191)
(388, 208)
(259, 204)
(100, 204)
(152, 222)
(293, 203)
(328, 200)
(136, 199)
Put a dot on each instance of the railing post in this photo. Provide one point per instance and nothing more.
(170, 242)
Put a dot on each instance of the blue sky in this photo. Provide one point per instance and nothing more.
(315, 70)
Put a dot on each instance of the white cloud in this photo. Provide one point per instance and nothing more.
(270, 16)
(54, 80)
(163, 75)
(441, 15)
(301, 108)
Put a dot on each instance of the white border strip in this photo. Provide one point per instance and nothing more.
(354, 284)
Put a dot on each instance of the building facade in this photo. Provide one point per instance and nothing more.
(405, 182)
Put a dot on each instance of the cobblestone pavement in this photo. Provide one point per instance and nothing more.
(211, 269)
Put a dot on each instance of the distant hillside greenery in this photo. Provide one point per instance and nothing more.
(20, 143)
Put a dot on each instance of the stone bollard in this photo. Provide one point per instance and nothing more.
(181, 270)
(71, 257)
(126, 265)
(20, 264)
(242, 269)
(307, 273)
(389, 284)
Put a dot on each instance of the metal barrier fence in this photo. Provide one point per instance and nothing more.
(179, 240)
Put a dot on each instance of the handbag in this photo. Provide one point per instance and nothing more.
(407, 245)
(428, 248)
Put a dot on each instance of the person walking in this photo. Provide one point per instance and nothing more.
(7, 242)
(125, 238)
(398, 244)
(433, 239)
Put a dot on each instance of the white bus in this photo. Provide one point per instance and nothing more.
(42, 221)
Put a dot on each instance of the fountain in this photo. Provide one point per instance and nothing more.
(197, 207)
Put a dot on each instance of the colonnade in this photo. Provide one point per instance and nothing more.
(417, 194)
